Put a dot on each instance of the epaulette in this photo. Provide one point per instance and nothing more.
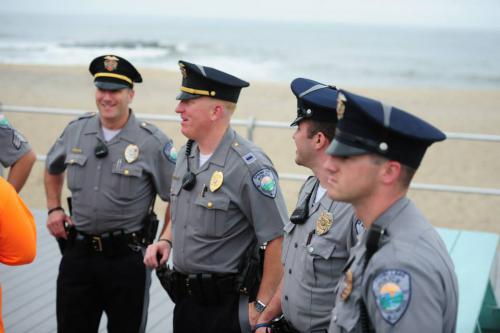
(250, 159)
(149, 127)
(86, 115)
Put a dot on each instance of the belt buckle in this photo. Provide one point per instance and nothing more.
(97, 243)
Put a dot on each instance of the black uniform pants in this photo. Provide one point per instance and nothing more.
(190, 316)
(90, 283)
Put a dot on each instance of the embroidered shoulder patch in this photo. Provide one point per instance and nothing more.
(360, 227)
(392, 291)
(249, 158)
(3, 121)
(170, 152)
(17, 139)
(265, 181)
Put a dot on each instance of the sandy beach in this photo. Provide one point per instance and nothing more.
(453, 162)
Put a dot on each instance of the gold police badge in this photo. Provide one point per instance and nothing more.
(341, 100)
(324, 223)
(216, 181)
(131, 153)
(110, 63)
(347, 284)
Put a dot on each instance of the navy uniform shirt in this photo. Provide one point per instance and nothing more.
(409, 284)
(111, 193)
(212, 229)
(12, 144)
(313, 261)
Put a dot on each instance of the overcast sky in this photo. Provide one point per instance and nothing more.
(437, 13)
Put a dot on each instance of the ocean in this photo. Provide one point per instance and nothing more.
(339, 54)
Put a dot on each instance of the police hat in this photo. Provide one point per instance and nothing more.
(369, 126)
(200, 81)
(113, 73)
(315, 101)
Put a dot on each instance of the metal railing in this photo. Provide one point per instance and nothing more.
(252, 123)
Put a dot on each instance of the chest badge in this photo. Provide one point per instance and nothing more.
(324, 223)
(131, 153)
(347, 284)
(216, 181)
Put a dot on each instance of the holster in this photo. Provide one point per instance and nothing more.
(150, 228)
(281, 325)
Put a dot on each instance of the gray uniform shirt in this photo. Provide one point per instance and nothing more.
(212, 229)
(409, 284)
(12, 144)
(313, 263)
(111, 193)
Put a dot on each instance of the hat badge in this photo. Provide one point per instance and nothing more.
(110, 63)
(183, 70)
(341, 100)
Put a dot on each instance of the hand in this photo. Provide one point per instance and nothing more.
(55, 224)
(155, 250)
(263, 330)
(253, 315)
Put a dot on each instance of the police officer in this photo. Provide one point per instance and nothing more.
(399, 278)
(116, 164)
(16, 153)
(225, 201)
(321, 231)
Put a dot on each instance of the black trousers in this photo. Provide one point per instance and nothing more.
(190, 316)
(90, 283)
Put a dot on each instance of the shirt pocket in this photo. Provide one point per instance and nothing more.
(211, 214)
(126, 180)
(328, 259)
(75, 171)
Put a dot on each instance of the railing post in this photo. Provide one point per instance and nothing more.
(250, 128)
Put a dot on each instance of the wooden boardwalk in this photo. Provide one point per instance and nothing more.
(29, 291)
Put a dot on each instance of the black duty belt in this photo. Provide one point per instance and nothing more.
(206, 288)
(107, 241)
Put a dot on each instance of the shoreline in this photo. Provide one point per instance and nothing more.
(453, 162)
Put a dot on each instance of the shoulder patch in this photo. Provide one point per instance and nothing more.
(392, 291)
(360, 227)
(170, 152)
(4, 122)
(265, 182)
(17, 139)
(249, 158)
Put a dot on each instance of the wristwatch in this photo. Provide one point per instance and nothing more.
(259, 306)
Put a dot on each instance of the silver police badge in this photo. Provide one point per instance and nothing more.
(131, 153)
(324, 223)
(110, 63)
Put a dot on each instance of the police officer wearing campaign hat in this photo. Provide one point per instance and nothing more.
(16, 153)
(321, 231)
(226, 201)
(399, 277)
(115, 165)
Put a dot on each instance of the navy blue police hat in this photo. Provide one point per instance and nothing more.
(112, 72)
(200, 81)
(315, 101)
(369, 126)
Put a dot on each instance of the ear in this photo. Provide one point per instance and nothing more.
(217, 112)
(131, 94)
(390, 172)
(321, 141)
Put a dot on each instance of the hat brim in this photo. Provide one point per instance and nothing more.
(110, 85)
(297, 121)
(338, 148)
(185, 96)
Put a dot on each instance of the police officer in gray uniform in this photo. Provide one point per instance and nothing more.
(116, 164)
(16, 153)
(225, 200)
(321, 231)
(399, 277)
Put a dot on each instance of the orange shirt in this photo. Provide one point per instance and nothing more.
(17, 230)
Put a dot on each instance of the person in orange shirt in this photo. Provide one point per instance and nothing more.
(17, 231)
